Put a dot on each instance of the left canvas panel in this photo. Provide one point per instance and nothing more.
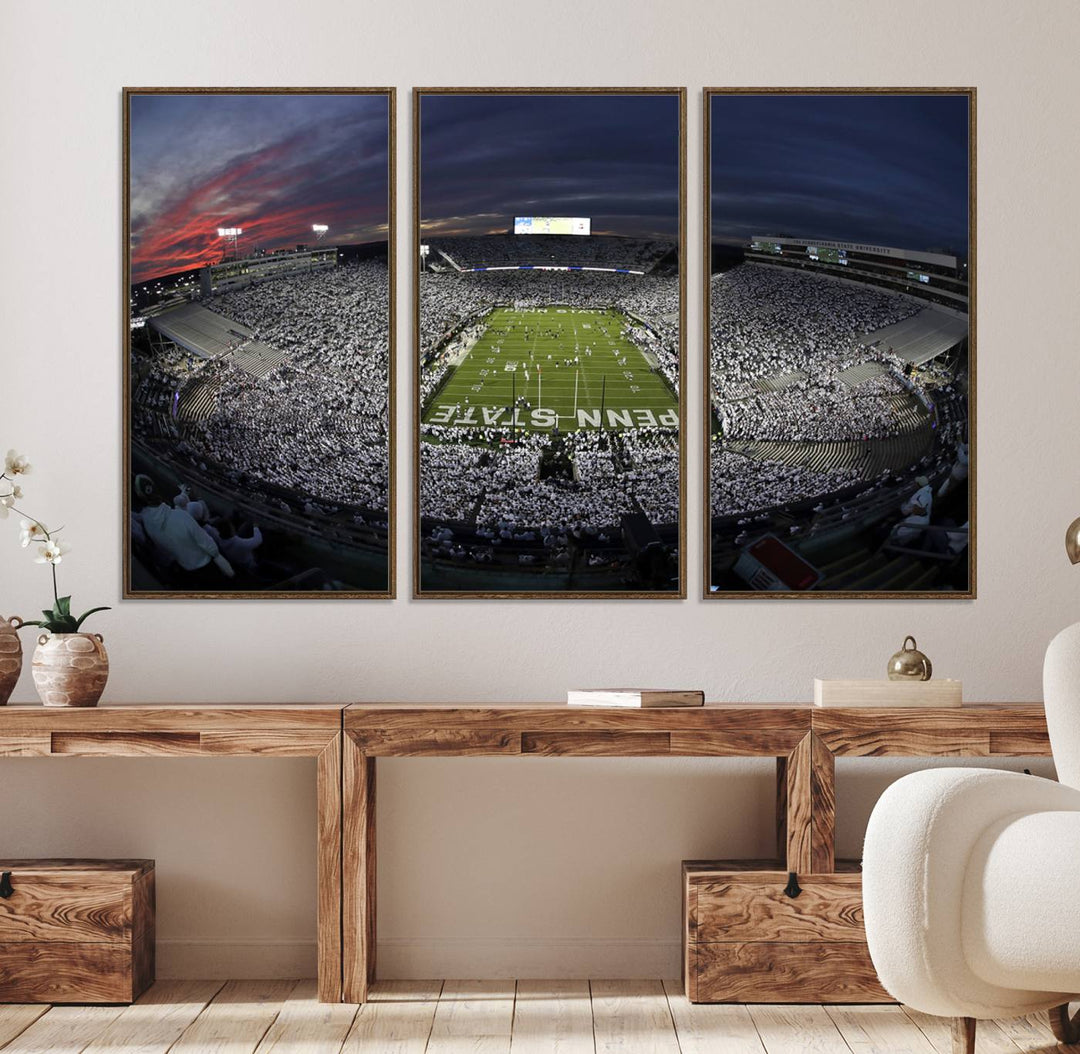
(258, 358)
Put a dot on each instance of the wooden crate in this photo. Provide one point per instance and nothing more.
(76, 931)
(747, 941)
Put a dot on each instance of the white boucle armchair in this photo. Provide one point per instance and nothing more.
(971, 880)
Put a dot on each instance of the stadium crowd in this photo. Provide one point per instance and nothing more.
(499, 489)
(182, 537)
(779, 342)
(465, 476)
(155, 384)
(318, 425)
(803, 329)
(741, 484)
(555, 250)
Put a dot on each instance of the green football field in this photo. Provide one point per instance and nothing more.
(560, 364)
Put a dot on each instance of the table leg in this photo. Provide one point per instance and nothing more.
(358, 889)
(806, 807)
(329, 867)
(823, 792)
(793, 807)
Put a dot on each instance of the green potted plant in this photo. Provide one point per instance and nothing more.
(70, 667)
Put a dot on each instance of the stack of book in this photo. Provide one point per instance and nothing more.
(634, 697)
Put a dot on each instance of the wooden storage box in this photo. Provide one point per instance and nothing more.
(76, 931)
(745, 940)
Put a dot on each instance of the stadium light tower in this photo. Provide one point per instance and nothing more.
(320, 230)
(232, 234)
(425, 252)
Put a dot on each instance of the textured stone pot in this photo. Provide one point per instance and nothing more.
(10, 656)
(70, 669)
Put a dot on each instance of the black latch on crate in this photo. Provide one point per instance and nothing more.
(792, 889)
(5, 885)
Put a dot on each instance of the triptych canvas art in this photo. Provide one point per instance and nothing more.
(550, 371)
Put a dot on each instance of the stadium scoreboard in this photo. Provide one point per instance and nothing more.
(551, 225)
(833, 256)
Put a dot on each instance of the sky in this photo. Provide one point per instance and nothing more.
(270, 164)
(488, 158)
(883, 169)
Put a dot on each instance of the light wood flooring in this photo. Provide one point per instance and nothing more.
(483, 1017)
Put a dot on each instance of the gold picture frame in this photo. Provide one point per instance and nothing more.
(378, 592)
(709, 577)
(419, 590)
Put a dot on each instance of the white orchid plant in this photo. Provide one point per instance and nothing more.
(50, 549)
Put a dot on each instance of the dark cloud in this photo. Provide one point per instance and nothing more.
(488, 158)
(271, 164)
(886, 169)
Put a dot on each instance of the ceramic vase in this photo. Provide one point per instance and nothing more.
(70, 669)
(10, 656)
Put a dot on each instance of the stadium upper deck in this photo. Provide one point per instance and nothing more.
(936, 277)
(236, 274)
(549, 250)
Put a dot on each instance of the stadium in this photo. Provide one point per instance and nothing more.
(258, 376)
(549, 435)
(839, 388)
(259, 403)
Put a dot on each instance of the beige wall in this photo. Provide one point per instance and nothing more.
(491, 866)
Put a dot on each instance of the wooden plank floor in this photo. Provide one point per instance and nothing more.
(484, 1017)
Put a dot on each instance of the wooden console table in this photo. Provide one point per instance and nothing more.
(804, 739)
(347, 740)
(207, 730)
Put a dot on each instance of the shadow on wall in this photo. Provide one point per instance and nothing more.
(861, 781)
(233, 840)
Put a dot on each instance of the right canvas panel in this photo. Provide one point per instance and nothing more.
(840, 387)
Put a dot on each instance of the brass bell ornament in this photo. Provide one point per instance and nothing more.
(909, 664)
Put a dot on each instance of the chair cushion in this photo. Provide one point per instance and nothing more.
(1022, 903)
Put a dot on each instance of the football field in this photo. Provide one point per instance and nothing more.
(542, 368)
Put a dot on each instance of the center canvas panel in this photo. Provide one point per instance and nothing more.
(550, 342)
